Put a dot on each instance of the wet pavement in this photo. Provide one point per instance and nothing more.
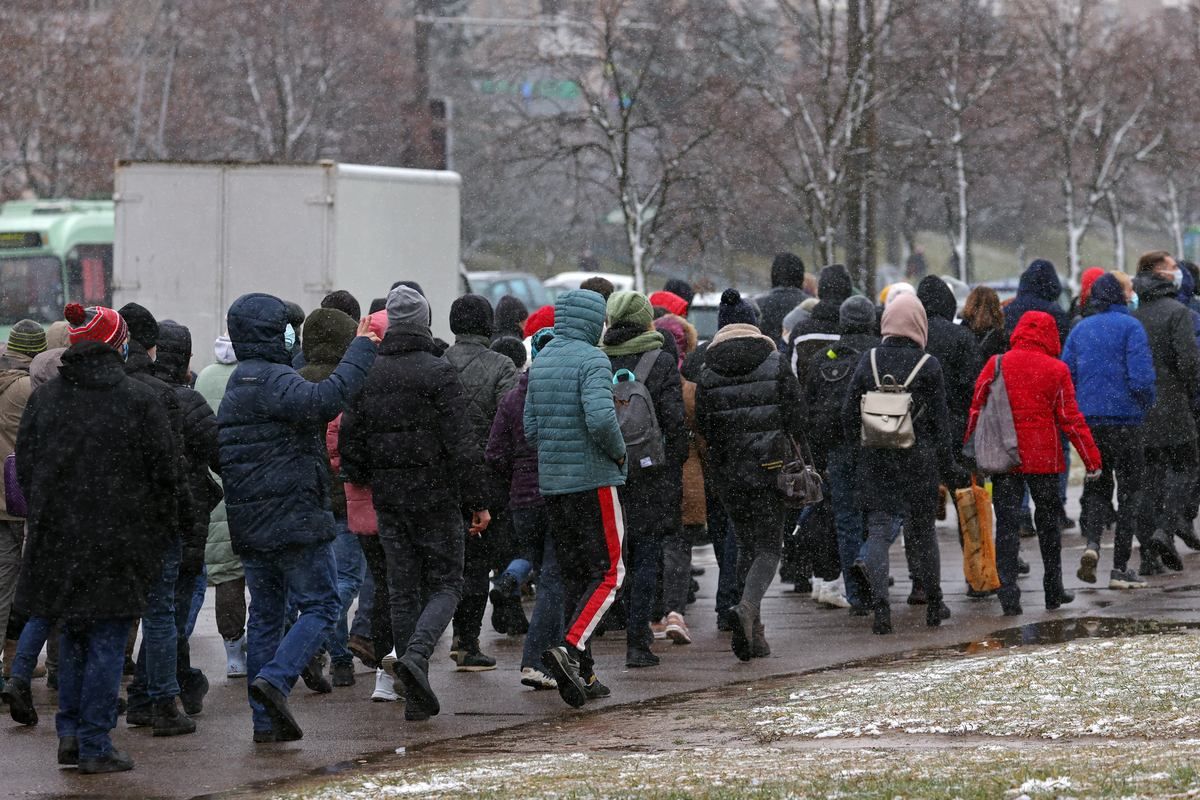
(488, 712)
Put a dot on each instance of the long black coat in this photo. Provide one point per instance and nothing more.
(95, 458)
(955, 349)
(1168, 325)
(409, 434)
(903, 480)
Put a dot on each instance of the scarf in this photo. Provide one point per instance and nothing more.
(624, 340)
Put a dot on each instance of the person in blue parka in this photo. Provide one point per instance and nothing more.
(272, 426)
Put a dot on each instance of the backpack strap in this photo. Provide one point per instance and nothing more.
(915, 370)
(875, 370)
(645, 365)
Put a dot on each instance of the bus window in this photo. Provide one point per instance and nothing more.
(89, 272)
(30, 288)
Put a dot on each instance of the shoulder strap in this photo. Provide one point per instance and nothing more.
(915, 370)
(645, 365)
(996, 374)
(875, 370)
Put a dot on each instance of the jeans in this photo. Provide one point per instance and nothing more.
(646, 521)
(424, 550)
(374, 595)
(546, 621)
(350, 567)
(1121, 454)
(12, 535)
(197, 602)
(921, 552)
(187, 607)
(588, 529)
(1169, 477)
(29, 646)
(306, 577)
(1006, 497)
(91, 657)
(528, 541)
(847, 518)
(158, 656)
(478, 555)
(758, 520)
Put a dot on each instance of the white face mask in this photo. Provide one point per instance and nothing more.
(289, 337)
(1177, 278)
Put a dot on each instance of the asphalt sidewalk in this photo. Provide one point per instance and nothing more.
(345, 726)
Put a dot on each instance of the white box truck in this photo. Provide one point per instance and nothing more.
(192, 237)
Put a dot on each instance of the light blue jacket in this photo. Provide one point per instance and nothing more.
(569, 412)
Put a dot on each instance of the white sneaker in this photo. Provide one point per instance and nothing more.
(818, 585)
(833, 595)
(385, 691)
(235, 658)
(536, 679)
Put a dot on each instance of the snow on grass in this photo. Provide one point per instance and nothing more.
(1118, 688)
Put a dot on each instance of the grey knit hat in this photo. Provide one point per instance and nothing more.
(857, 315)
(406, 306)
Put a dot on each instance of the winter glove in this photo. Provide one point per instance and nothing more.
(193, 561)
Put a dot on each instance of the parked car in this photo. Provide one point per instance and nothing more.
(702, 313)
(571, 280)
(525, 287)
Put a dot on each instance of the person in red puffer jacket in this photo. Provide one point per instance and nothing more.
(1042, 397)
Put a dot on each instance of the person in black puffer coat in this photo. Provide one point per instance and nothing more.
(96, 458)
(1038, 290)
(652, 495)
(408, 437)
(955, 349)
(787, 292)
(821, 327)
(749, 411)
(173, 366)
(899, 487)
(155, 687)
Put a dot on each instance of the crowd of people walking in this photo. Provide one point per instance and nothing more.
(370, 486)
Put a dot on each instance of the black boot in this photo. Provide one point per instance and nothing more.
(192, 692)
(759, 648)
(283, 724)
(68, 751)
(502, 595)
(314, 675)
(20, 701)
(883, 619)
(168, 721)
(936, 611)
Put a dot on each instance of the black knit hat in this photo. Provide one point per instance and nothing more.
(513, 348)
(734, 310)
(143, 327)
(471, 314)
(680, 288)
(787, 269)
(343, 301)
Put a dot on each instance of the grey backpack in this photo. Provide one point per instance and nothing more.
(635, 414)
(995, 438)
(887, 411)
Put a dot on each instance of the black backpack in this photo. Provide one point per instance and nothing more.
(831, 382)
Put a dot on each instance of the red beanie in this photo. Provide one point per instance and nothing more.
(95, 324)
(542, 318)
(673, 303)
(1090, 276)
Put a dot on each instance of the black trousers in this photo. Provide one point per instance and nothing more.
(588, 529)
(1007, 492)
(1169, 478)
(479, 557)
(1124, 464)
(381, 603)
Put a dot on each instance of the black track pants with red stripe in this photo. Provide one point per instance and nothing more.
(588, 529)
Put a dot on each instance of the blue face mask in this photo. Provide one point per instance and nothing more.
(289, 337)
(125, 351)
(1133, 302)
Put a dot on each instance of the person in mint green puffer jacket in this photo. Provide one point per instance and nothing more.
(571, 420)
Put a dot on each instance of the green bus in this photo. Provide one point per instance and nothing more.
(53, 252)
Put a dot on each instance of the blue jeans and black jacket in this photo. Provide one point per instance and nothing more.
(532, 526)
(351, 566)
(156, 677)
(91, 658)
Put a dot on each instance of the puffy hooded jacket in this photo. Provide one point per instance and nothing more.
(569, 413)
(1042, 397)
(15, 388)
(1168, 325)
(823, 325)
(954, 347)
(748, 409)
(327, 334)
(272, 432)
(221, 563)
(486, 376)
(360, 503)
(214, 378)
(509, 454)
(1108, 355)
(1038, 290)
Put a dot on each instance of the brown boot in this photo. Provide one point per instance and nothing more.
(758, 643)
(10, 652)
